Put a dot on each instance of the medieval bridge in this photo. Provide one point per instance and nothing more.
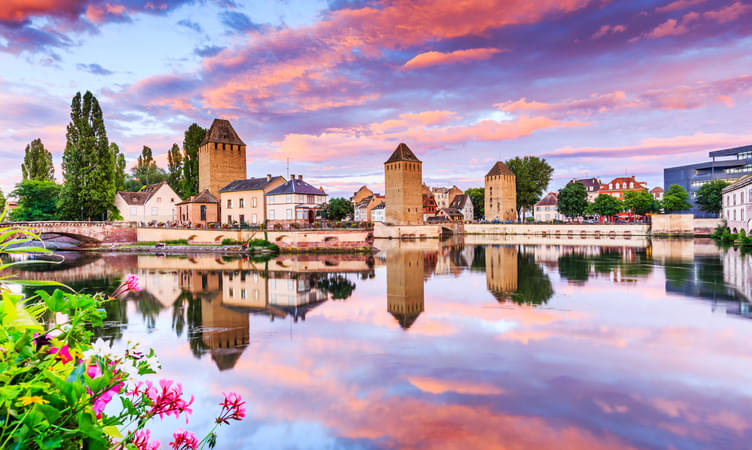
(84, 232)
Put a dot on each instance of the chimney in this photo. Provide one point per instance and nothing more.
(268, 177)
(300, 177)
(292, 176)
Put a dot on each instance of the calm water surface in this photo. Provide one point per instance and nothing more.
(427, 344)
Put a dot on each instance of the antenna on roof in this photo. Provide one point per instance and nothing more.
(288, 167)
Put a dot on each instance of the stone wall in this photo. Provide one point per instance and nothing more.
(103, 232)
(559, 229)
(291, 240)
(500, 197)
(383, 231)
(404, 199)
(673, 223)
(218, 167)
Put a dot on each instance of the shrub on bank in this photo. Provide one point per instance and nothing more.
(55, 383)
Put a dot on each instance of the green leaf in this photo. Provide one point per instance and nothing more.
(112, 431)
(56, 302)
(50, 413)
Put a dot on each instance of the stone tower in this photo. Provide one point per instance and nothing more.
(501, 270)
(501, 193)
(403, 176)
(221, 158)
(404, 285)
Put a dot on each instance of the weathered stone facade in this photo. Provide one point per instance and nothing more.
(403, 177)
(404, 275)
(221, 158)
(501, 193)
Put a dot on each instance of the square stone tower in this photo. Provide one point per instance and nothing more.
(404, 285)
(501, 193)
(403, 177)
(221, 158)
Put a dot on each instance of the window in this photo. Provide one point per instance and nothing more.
(617, 185)
(154, 211)
(289, 213)
(229, 203)
(231, 292)
(133, 210)
(271, 214)
(631, 185)
(241, 203)
(271, 199)
(242, 218)
(242, 293)
(300, 214)
(289, 198)
(229, 218)
(253, 202)
(253, 218)
(159, 199)
(311, 199)
(203, 212)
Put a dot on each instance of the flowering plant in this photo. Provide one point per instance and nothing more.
(56, 384)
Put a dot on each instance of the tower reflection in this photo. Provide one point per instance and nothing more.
(404, 285)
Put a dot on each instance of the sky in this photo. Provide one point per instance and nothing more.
(599, 88)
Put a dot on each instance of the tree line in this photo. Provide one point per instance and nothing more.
(94, 170)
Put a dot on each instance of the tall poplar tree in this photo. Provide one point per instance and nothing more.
(175, 168)
(119, 167)
(37, 164)
(193, 137)
(146, 169)
(88, 163)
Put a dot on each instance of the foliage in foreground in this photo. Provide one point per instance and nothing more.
(56, 384)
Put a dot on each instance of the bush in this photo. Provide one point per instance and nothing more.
(530, 219)
(727, 236)
(56, 382)
(718, 232)
(228, 241)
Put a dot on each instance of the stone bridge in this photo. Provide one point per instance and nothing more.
(84, 232)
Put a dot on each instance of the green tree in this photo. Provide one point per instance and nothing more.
(572, 200)
(675, 199)
(146, 170)
(640, 202)
(119, 167)
(175, 168)
(37, 200)
(193, 137)
(2, 201)
(88, 163)
(709, 197)
(37, 164)
(604, 205)
(532, 177)
(338, 209)
(478, 198)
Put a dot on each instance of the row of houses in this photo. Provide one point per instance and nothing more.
(439, 204)
(546, 209)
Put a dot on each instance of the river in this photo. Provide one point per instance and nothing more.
(448, 345)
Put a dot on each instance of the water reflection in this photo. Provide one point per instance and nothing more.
(449, 344)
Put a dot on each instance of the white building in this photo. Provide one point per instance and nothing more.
(154, 203)
(737, 205)
(464, 205)
(377, 213)
(545, 209)
(294, 201)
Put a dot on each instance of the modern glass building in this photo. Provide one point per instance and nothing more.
(729, 165)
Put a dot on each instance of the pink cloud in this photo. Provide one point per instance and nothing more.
(435, 58)
(659, 146)
(382, 136)
(678, 5)
(682, 97)
(729, 13)
(608, 29)
(20, 10)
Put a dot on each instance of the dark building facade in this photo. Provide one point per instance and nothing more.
(728, 165)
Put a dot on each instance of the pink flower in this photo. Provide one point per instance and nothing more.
(141, 441)
(63, 354)
(232, 408)
(100, 403)
(183, 440)
(165, 402)
(130, 284)
(94, 371)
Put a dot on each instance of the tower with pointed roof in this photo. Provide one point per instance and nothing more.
(221, 157)
(403, 177)
(404, 285)
(501, 193)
